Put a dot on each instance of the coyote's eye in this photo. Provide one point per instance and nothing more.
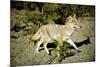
(74, 22)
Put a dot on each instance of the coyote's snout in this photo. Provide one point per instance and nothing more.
(55, 32)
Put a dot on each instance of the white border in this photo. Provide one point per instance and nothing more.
(4, 33)
(83, 2)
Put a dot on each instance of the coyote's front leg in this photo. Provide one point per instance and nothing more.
(72, 43)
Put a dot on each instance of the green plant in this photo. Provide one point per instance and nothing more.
(62, 50)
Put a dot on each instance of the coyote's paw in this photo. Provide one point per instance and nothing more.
(47, 52)
(78, 50)
(58, 54)
(37, 51)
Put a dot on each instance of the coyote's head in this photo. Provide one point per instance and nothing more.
(73, 23)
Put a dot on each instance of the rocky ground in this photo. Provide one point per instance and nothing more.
(23, 49)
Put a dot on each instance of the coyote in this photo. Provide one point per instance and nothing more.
(55, 32)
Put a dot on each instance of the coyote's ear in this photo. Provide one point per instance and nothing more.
(69, 18)
(74, 16)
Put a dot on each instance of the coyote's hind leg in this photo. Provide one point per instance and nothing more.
(45, 47)
(38, 45)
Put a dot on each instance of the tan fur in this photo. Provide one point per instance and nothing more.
(54, 32)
